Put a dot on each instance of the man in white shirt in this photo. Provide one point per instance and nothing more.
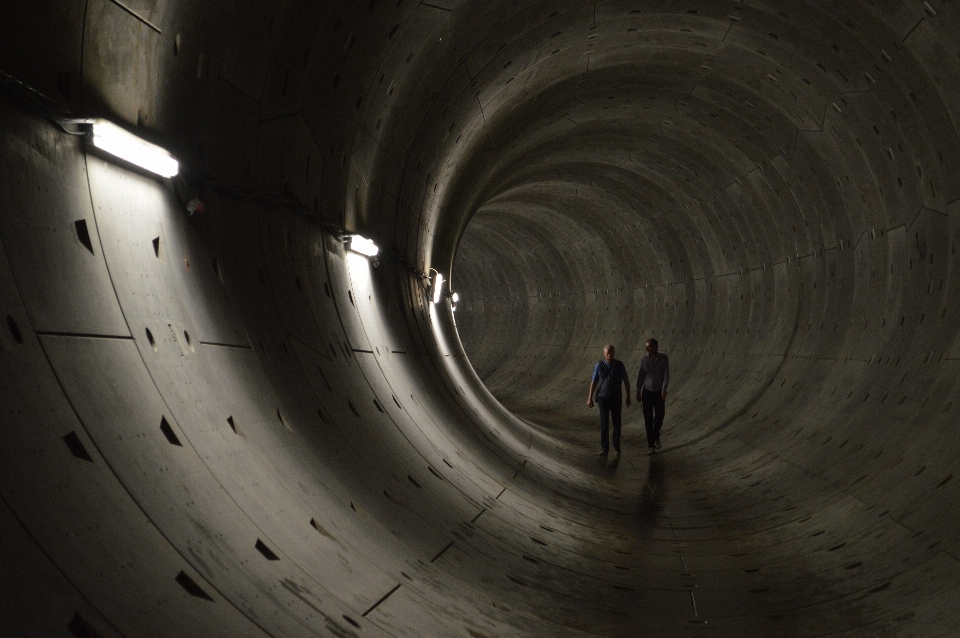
(652, 391)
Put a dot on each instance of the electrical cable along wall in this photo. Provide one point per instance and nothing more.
(228, 423)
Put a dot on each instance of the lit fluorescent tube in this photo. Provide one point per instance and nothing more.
(127, 146)
(437, 288)
(362, 245)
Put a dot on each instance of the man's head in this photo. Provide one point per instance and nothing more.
(608, 352)
(652, 347)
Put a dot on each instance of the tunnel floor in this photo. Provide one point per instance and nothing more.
(747, 550)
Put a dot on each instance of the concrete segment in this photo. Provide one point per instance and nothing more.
(227, 424)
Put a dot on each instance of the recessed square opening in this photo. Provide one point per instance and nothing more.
(266, 551)
(80, 628)
(320, 528)
(158, 250)
(14, 329)
(353, 408)
(191, 587)
(168, 432)
(76, 446)
(83, 234)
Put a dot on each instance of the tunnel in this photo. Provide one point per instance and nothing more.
(218, 419)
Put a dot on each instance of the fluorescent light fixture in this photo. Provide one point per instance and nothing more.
(127, 146)
(437, 288)
(362, 245)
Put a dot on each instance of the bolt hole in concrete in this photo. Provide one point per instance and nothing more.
(151, 340)
(158, 250)
(168, 432)
(76, 446)
(216, 268)
(83, 234)
(353, 409)
(78, 626)
(266, 551)
(192, 587)
(14, 330)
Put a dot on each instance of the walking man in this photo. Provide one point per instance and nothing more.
(607, 375)
(652, 392)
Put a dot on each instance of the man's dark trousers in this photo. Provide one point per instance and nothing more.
(609, 407)
(652, 415)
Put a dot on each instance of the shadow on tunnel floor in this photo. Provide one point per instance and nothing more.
(741, 558)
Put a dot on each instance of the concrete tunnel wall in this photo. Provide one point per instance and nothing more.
(227, 425)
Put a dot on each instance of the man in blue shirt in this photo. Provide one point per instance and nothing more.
(607, 375)
(652, 386)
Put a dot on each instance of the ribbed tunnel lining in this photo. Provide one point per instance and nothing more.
(770, 190)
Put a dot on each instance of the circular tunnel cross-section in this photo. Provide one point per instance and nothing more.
(219, 418)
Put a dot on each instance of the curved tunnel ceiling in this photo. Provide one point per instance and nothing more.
(226, 424)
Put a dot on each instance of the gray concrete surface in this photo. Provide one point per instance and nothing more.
(227, 425)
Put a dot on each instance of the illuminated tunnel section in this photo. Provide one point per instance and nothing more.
(226, 424)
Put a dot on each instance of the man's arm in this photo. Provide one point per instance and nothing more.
(625, 376)
(666, 378)
(593, 381)
(640, 382)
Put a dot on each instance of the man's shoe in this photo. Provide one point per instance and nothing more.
(617, 451)
(602, 453)
(657, 444)
(651, 450)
